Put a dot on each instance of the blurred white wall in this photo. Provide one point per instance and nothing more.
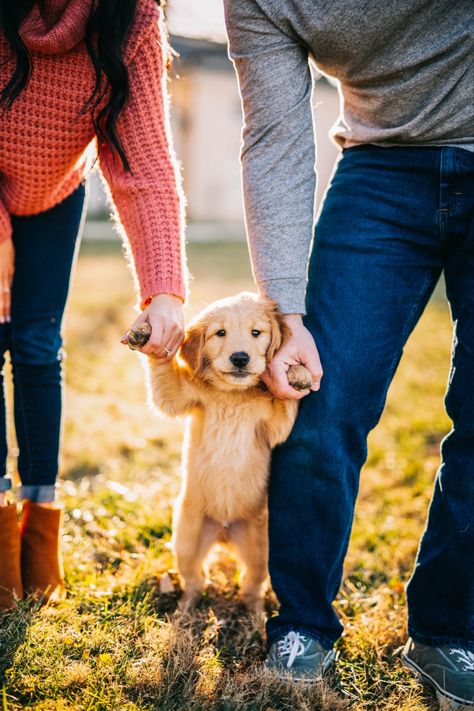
(203, 19)
(206, 127)
(325, 112)
(207, 124)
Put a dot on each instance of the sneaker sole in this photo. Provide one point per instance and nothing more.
(441, 694)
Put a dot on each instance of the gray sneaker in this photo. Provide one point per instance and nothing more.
(301, 657)
(448, 670)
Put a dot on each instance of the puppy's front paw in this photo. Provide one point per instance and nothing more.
(299, 377)
(138, 336)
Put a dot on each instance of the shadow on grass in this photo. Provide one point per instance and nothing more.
(14, 625)
(212, 658)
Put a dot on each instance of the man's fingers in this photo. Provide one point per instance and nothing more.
(277, 381)
(316, 378)
(314, 366)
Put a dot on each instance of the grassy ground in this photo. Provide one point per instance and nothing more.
(112, 644)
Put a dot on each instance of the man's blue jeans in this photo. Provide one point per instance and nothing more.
(392, 221)
(45, 246)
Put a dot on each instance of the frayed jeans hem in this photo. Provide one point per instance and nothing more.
(441, 640)
(42, 494)
(5, 484)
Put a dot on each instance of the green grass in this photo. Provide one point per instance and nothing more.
(114, 643)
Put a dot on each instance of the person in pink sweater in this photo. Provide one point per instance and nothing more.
(79, 79)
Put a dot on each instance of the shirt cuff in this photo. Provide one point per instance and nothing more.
(174, 286)
(289, 293)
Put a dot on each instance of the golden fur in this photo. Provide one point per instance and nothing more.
(233, 424)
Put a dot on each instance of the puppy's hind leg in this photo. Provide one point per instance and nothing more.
(192, 540)
(251, 540)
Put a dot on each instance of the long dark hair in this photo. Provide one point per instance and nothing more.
(106, 33)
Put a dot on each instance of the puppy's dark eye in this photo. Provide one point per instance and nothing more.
(256, 333)
(220, 333)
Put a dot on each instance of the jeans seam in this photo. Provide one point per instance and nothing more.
(441, 209)
(25, 428)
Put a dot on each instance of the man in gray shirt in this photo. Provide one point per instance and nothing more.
(398, 213)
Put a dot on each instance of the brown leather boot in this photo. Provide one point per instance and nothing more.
(11, 587)
(41, 566)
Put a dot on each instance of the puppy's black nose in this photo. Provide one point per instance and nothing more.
(239, 359)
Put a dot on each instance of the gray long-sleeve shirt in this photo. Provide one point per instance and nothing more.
(406, 77)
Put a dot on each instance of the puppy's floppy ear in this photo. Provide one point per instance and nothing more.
(280, 331)
(192, 347)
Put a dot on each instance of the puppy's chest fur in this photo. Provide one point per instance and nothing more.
(228, 457)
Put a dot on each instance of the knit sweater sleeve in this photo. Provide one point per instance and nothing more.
(148, 199)
(278, 152)
(5, 224)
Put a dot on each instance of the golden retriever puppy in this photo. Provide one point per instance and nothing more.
(233, 424)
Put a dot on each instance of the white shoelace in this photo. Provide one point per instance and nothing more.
(465, 657)
(292, 645)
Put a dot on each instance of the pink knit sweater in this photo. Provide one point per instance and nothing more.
(46, 139)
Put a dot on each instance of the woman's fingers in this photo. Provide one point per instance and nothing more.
(164, 341)
(170, 343)
(8, 303)
(154, 347)
(168, 339)
(7, 266)
(5, 299)
(176, 341)
(165, 317)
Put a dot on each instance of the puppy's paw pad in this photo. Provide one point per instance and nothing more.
(299, 377)
(139, 335)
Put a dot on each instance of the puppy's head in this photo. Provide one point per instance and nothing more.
(230, 343)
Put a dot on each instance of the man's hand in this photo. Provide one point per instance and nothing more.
(299, 349)
(165, 314)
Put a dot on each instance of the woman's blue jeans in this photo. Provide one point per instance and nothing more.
(45, 247)
(392, 221)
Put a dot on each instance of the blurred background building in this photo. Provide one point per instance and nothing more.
(207, 122)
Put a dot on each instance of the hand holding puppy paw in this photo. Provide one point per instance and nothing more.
(138, 336)
(296, 368)
(7, 268)
(159, 330)
(299, 377)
